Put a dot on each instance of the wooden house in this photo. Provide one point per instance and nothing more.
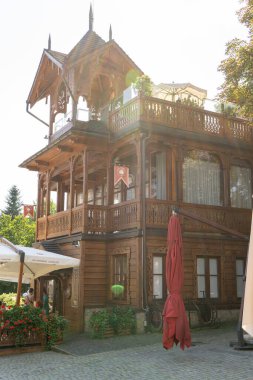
(115, 165)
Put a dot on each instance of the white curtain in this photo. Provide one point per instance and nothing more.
(160, 176)
(201, 181)
(240, 187)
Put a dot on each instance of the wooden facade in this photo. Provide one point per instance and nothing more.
(119, 232)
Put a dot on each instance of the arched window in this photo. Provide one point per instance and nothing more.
(240, 184)
(201, 178)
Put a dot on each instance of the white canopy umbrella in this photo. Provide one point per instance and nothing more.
(26, 264)
(247, 319)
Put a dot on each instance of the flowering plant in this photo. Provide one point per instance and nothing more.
(26, 324)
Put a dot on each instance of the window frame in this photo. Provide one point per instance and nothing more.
(240, 276)
(123, 253)
(207, 277)
(163, 275)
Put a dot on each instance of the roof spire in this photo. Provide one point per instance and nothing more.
(91, 18)
(110, 33)
(49, 42)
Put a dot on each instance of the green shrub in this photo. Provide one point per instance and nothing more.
(118, 318)
(55, 325)
(99, 321)
(122, 318)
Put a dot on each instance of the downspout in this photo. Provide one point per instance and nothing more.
(72, 96)
(144, 234)
(36, 117)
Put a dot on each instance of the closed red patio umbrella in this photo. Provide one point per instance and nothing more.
(175, 323)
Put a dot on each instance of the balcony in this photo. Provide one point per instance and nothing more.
(126, 216)
(169, 116)
(180, 117)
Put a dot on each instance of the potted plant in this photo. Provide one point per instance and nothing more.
(143, 85)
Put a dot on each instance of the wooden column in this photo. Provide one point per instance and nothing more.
(39, 195)
(110, 180)
(85, 188)
(139, 189)
(60, 196)
(174, 180)
(48, 193)
(71, 190)
(47, 201)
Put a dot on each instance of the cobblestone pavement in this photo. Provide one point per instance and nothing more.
(210, 357)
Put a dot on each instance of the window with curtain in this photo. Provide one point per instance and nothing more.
(240, 271)
(158, 175)
(240, 185)
(201, 178)
(207, 277)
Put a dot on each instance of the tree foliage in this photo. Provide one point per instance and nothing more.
(237, 68)
(143, 85)
(13, 201)
(18, 230)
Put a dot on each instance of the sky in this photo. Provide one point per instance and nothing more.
(170, 40)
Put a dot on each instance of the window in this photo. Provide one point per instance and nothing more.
(159, 285)
(201, 178)
(240, 185)
(158, 175)
(240, 270)
(119, 274)
(207, 277)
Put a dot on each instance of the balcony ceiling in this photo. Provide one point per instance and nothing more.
(55, 154)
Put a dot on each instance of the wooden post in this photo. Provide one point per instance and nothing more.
(20, 276)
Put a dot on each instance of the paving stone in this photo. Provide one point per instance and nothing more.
(135, 358)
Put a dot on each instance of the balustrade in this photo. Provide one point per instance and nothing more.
(124, 216)
(179, 116)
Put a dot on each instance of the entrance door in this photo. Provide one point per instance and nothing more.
(53, 286)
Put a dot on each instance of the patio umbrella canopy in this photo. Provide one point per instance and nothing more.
(36, 262)
(247, 319)
(175, 323)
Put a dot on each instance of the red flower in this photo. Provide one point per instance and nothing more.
(12, 327)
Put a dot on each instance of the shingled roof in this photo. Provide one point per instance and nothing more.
(89, 42)
(60, 57)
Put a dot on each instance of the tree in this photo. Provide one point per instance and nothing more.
(14, 202)
(18, 230)
(238, 67)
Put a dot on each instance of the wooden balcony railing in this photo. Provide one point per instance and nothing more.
(180, 117)
(124, 216)
(158, 212)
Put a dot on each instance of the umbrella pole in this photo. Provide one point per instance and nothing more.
(20, 276)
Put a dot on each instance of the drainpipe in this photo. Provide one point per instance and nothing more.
(143, 203)
(36, 117)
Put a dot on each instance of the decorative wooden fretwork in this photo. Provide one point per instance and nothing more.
(75, 288)
(62, 99)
